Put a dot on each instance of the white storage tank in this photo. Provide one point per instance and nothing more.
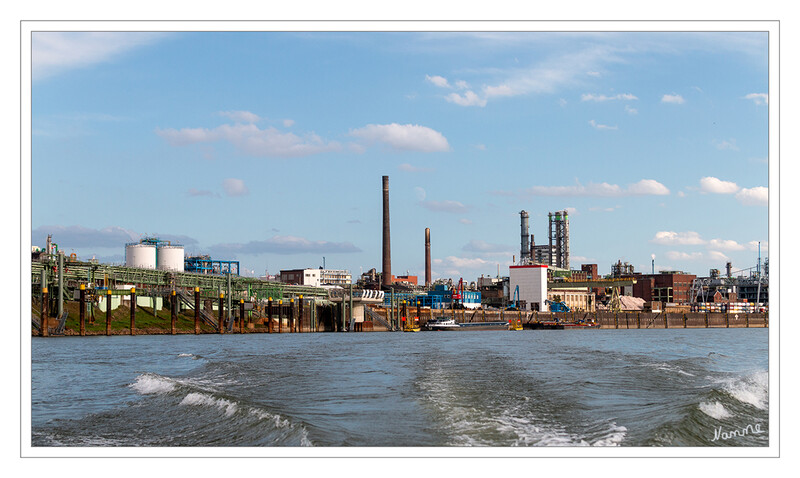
(170, 258)
(140, 255)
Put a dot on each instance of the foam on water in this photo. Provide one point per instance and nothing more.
(714, 410)
(752, 389)
(202, 399)
(148, 384)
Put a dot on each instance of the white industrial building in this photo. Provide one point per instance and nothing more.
(316, 277)
(532, 282)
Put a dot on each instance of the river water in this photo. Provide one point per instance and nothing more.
(443, 389)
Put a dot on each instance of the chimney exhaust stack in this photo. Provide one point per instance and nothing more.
(427, 256)
(386, 276)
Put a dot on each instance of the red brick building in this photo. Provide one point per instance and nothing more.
(663, 287)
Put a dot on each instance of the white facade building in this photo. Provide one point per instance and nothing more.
(316, 277)
(532, 282)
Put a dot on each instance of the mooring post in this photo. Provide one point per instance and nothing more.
(133, 311)
(666, 320)
(241, 316)
(684, 320)
(82, 313)
(196, 310)
(292, 322)
(60, 284)
(44, 332)
(638, 321)
(280, 314)
(172, 312)
(221, 321)
(269, 315)
(300, 314)
(727, 321)
(417, 318)
(108, 311)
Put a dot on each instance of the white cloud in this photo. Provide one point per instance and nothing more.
(673, 98)
(630, 110)
(718, 256)
(689, 238)
(596, 125)
(726, 144)
(469, 98)
(710, 184)
(684, 256)
(252, 140)
(55, 52)
(595, 74)
(241, 116)
(753, 246)
(234, 187)
(439, 81)
(600, 98)
(758, 98)
(758, 196)
(408, 137)
(681, 194)
(648, 187)
(726, 245)
(454, 207)
(462, 85)
(571, 210)
(643, 187)
(288, 123)
(464, 220)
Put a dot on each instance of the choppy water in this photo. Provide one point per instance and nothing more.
(493, 388)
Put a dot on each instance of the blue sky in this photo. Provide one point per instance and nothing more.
(268, 148)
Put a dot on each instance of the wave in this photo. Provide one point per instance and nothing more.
(714, 410)
(149, 383)
(752, 389)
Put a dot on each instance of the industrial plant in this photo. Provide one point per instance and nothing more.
(541, 290)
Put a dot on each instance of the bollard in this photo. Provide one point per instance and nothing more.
(300, 315)
(221, 320)
(269, 315)
(196, 310)
(133, 310)
(727, 323)
(173, 312)
(241, 316)
(82, 314)
(44, 332)
(706, 319)
(108, 311)
(684, 320)
(638, 321)
(616, 322)
(666, 320)
(291, 324)
(747, 320)
(280, 314)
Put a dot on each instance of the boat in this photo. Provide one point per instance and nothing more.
(515, 324)
(410, 325)
(442, 323)
(448, 323)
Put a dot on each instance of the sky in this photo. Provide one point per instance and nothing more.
(269, 147)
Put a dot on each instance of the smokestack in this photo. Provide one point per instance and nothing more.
(525, 248)
(427, 256)
(386, 277)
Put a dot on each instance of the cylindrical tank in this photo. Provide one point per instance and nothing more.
(170, 258)
(140, 255)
